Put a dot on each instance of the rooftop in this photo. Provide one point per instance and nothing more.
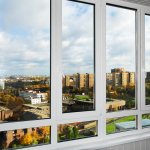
(132, 124)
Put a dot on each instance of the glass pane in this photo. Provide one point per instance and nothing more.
(24, 60)
(123, 124)
(78, 130)
(147, 58)
(77, 56)
(120, 65)
(22, 138)
(145, 120)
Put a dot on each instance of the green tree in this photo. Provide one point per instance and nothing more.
(76, 132)
(70, 133)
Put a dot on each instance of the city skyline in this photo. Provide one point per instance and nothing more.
(94, 73)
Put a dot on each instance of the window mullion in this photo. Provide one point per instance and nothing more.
(102, 69)
(56, 76)
(138, 66)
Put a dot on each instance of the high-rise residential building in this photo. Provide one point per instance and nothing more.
(82, 81)
(75, 81)
(67, 80)
(109, 76)
(120, 77)
(90, 78)
(71, 81)
(132, 79)
(79, 80)
(117, 70)
(124, 78)
(85, 81)
(116, 78)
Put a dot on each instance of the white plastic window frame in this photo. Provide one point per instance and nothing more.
(135, 112)
(56, 86)
(65, 118)
(32, 123)
(99, 114)
(145, 108)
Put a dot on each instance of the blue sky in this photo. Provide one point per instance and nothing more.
(78, 38)
(24, 37)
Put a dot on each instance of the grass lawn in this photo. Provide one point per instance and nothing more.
(110, 128)
(82, 97)
(146, 116)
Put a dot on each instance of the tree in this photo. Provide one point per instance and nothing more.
(76, 132)
(44, 134)
(26, 139)
(70, 133)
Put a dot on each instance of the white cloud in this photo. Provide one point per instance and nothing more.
(78, 49)
(24, 37)
(78, 39)
(28, 14)
(147, 43)
(16, 54)
(120, 38)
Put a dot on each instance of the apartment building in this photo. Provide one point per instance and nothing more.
(79, 81)
(120, 77)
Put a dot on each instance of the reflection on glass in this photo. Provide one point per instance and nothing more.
(78, 130)
(123, 124)
(78, 56)
(21, 138)
(145, 120)
(24, 60)
(147, 58)
(120, 52)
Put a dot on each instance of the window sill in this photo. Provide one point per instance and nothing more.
(99, 144)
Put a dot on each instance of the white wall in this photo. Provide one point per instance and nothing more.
(140, 145)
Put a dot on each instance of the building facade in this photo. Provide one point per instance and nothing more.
(120, 77)
(79, 81)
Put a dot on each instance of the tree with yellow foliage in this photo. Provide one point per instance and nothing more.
(44, 134)
(26, 139)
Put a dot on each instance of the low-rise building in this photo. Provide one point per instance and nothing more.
(34, 97)
(5, 113)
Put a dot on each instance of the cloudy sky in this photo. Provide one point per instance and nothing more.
(147, 43)
(120, 38)
(78, 40)
(24, 37)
